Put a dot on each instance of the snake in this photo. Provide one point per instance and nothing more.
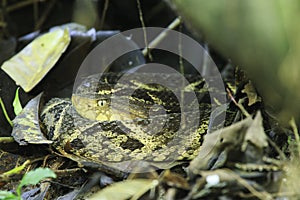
(112, 120)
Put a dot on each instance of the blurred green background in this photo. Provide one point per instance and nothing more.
(262, 37)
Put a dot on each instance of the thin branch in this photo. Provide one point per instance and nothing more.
(5, 113)
(104, 14)
(296, 134)
(240, 106)
(19, 5)
(144, 29)
(162, 35)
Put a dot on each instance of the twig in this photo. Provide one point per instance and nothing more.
(296, 134)
(65, 171)
(162, 35)
(240, 106)
(277, 149)
(261, 195)
(103, 14)
(5, 113)
(16, 170)
(2, 15)
(144, 29)
(36, 11)
(19, 5)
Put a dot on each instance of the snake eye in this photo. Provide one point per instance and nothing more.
(102, 102)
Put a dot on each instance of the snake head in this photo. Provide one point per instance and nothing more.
(91, 108)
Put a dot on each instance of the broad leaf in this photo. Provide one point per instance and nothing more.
(35, 176)
(31, 64)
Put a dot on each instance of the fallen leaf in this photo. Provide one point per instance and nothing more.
(31, 64)
(217, 144)
(26, 127)
(251, 94)
(256, 134)
(133, 189)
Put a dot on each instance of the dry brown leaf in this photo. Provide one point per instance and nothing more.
(251, 94)
(26, 127)
(256, 134)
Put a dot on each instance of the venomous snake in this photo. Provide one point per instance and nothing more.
(103, 124)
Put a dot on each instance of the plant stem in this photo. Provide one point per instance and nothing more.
(5, 113)
(4, 140)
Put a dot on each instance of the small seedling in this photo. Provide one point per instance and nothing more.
(31, 178)
(16, 104)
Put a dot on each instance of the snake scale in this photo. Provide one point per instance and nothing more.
(110, 121)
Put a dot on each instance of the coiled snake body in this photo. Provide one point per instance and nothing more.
(110, 120)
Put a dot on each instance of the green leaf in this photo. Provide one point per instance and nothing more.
(16, 103)
(133, 189)
(6, 195)
(34, 177)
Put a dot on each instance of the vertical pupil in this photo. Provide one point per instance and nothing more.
(101, 103)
